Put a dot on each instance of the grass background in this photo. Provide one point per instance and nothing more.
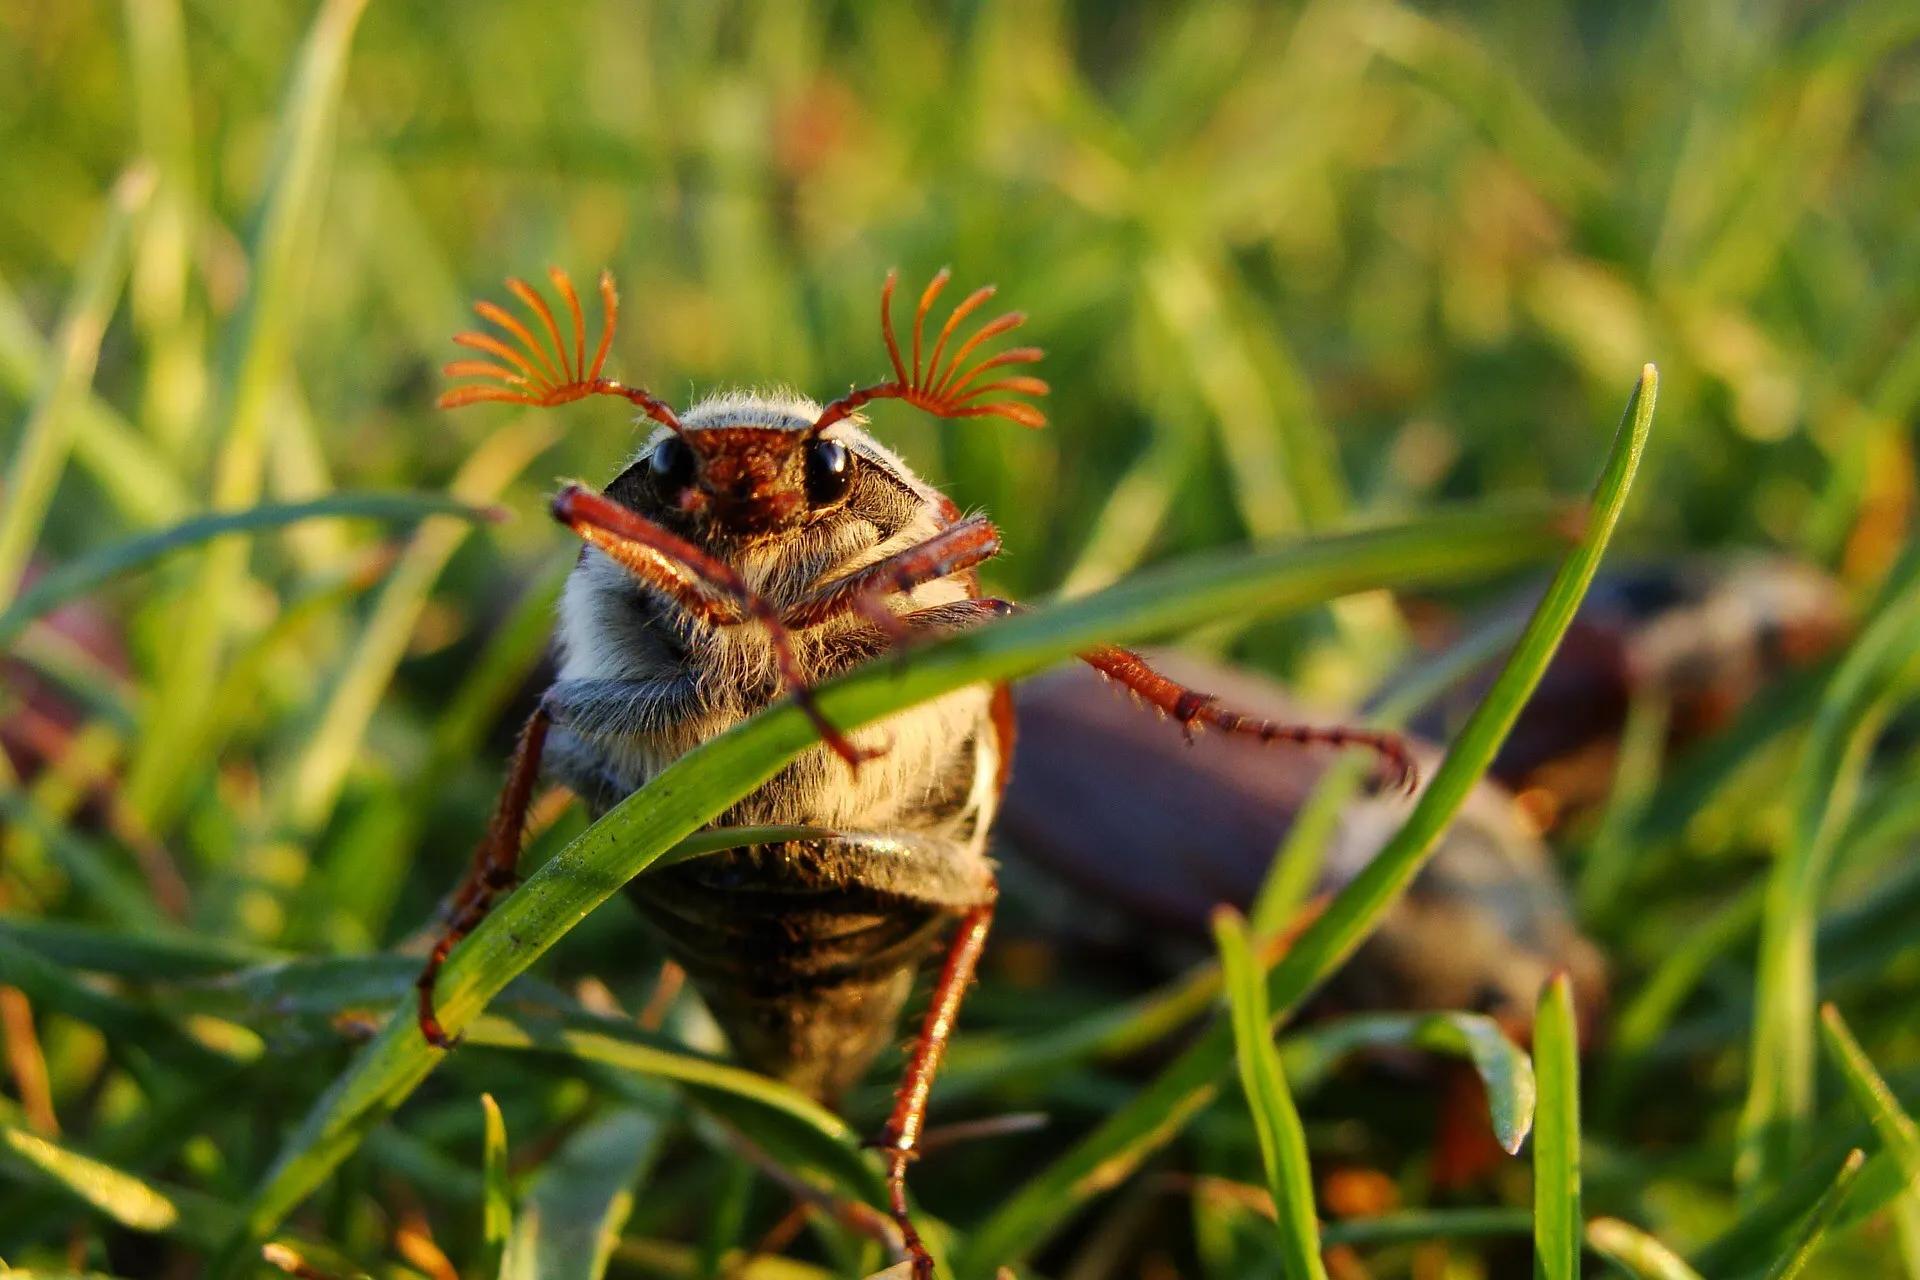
(1293, 266)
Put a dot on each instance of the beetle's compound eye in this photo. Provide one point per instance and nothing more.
(829, 472)
(671, 465)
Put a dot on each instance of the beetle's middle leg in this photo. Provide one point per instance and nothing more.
(492, 872)
(900, 1140)
(955, 549)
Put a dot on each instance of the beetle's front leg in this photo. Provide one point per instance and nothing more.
(492, 871)
(955, 549)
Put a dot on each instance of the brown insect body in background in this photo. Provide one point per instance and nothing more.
(757, 545)
(1704, 634)
(1163, 832)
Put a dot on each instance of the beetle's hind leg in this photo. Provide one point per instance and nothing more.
(493, 871)
(900, 1140)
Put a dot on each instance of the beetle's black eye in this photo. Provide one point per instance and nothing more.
(829, 472)
(671, 465)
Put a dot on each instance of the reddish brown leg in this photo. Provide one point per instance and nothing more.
(956, 548)
(492, 872)
(704, 585)
(901, 1138)
(1190, 708)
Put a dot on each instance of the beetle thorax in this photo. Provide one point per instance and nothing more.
(615, 628)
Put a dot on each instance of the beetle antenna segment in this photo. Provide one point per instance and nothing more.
(944, 385)
(546, 373)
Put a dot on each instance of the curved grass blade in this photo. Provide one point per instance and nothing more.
(1556, 1138)
(496, 1200)
(1276, 1122)
(570, 1219)
(699, 786)
(1501, 1065)
(1113, 1150)
(46, 440)
(1896, 1128)
(1637, 1253)
(1791, 1263)
(77, 577)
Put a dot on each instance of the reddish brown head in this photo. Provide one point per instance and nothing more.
(740, 468)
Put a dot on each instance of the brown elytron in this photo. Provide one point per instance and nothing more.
(755, 546)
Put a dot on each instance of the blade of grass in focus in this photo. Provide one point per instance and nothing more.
(46, 440)
(1276, 1122)
(1158, 1112)
(86, 573)
(698, 786)
(1556, 1136)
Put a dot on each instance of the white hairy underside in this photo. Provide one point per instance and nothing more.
(735, 672)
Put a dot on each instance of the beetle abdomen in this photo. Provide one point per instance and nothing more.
(801, 959)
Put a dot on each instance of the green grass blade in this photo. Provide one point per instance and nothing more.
(1502, 1066)
(1775, 1120)
(1791, 1263)
(1413, 1225)
(134, 476)
(696, 788)
(1637, 1253)
(163, 257)
(122, 1197)
(1896, 1128)
(806, 1137)
(1108, 1154)
(571, 1217)
(329, 751)
(138, 1203)
(166, 953)
(281, 253)
(1556, 1136)
(496, 1204)
(1276, 1123)
(127, 1025)
(46, 440)
(76, 578)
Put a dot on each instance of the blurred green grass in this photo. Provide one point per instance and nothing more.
(1293, 265)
